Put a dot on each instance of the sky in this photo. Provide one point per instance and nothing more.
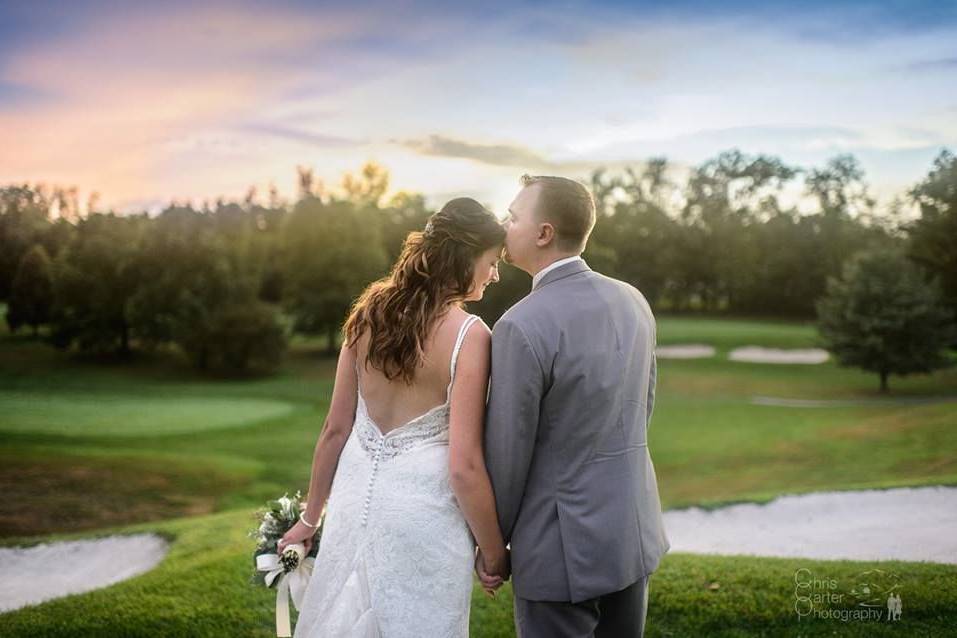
(145, 103)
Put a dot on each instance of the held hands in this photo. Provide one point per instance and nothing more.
(492, 571)
(299, 533)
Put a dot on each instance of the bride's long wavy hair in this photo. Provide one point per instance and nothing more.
(433, 273)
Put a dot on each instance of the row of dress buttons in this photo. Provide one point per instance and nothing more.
(375, 466)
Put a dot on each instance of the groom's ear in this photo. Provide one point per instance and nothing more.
(546, 234)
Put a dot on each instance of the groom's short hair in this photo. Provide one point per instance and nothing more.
(568, 206)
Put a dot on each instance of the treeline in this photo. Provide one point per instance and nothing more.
(229, 283)
(725, 243)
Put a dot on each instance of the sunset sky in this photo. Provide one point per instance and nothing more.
(197, 100)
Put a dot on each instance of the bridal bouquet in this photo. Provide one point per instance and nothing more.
(289, 572)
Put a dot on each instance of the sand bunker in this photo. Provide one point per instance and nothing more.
(915, 524)
(685, 351)
(757, 354)
(31, 575)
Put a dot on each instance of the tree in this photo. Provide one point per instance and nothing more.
(94, 279)
(268, 223)
(235, 337)
(185, 273)
(633, 226)
(883, 316)
(199, 275)
(840, 228)
(717, 255)
(367, 188)
(933, 237)
(332, 251)
(839, 187)
(31, 297)
(404, 213)
(24, 217)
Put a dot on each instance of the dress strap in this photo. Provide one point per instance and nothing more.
(455, 351)
(358, 385)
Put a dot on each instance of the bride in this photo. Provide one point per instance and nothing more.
(400, 453)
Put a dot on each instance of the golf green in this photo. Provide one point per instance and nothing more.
(104, 414)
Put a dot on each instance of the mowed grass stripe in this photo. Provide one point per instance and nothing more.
(103, 414)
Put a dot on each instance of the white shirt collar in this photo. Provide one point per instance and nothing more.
(555, 264)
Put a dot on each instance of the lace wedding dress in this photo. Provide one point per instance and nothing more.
(396, 554)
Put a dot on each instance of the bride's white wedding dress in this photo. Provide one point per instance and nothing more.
(396, 553)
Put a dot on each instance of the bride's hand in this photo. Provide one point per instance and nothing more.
(490, 582)
(299, 533)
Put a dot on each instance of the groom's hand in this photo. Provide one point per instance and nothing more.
(504, 568)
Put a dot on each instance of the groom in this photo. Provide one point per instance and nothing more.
(566, 437)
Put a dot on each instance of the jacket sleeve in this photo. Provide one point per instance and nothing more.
(516, 386)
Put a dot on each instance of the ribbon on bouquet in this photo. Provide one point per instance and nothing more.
(291, 584)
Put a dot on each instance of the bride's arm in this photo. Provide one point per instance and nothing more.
(467, 473)
(335, 432)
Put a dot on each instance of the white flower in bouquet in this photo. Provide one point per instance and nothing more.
(290, 571)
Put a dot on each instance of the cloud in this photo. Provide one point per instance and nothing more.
(506, 155)
(936, 64)
(298, 135)
(697, 145)
(130, 94)
(493, 154)
(19, 95)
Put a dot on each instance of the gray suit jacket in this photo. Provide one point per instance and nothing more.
(566, 436)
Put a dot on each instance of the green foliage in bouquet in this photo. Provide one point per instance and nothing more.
(277, 518)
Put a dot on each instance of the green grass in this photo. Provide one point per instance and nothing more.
(726, 334)
(106, 414)
(151, 444)
(201, 588)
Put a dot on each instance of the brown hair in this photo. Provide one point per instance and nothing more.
(566, 204)
(434, 270)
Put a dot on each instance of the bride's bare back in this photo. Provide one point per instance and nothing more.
(392, 404)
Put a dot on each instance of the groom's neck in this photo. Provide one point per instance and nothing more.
(546, 259)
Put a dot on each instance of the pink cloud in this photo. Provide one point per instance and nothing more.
(128, 87)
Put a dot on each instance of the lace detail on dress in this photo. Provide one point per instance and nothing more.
(403, 438)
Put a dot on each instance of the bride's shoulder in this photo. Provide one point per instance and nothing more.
(478, 324)
(458, 317)
(471, 328)
(478, 338)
